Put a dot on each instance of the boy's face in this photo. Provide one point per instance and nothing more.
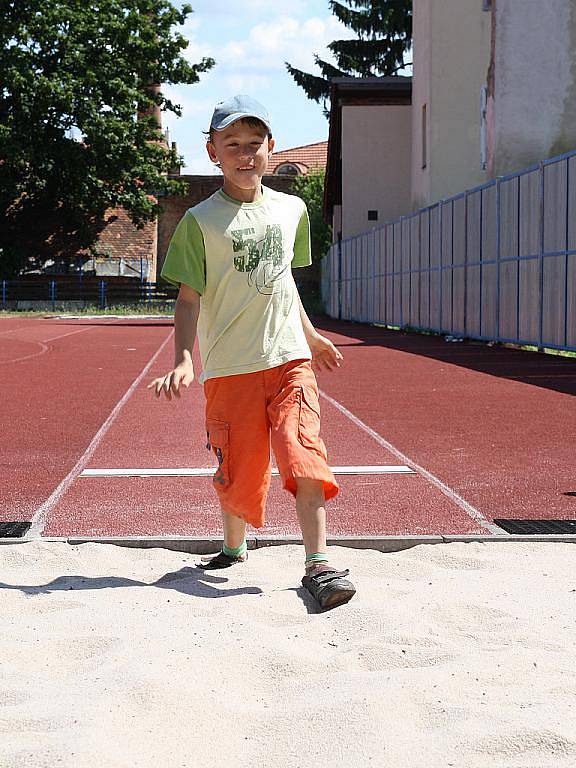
(242, 151)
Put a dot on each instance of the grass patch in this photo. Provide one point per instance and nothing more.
(116, 309)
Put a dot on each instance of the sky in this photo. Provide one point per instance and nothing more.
(250, 40)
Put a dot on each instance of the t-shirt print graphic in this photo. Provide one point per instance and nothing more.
(262, 259)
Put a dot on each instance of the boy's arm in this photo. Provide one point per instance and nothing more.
(185, 321)
(324, 353)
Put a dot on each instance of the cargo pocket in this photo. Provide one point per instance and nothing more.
(309, 421)
(218, 441)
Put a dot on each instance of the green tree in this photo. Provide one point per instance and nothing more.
(384, 36)
(311, 189)
(71, 68)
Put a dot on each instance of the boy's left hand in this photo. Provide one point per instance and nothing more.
(325, 356)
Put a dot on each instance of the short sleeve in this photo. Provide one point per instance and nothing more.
(302, 255)
(185, 260)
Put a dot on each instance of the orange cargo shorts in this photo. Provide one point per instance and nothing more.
(248, 412)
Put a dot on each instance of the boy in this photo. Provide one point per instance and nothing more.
(231, 256)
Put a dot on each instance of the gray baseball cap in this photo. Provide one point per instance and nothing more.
(228, 112)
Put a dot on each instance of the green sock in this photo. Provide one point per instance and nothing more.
(235, 551)
(315, 558)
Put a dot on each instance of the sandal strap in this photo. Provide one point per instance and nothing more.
(326, 576)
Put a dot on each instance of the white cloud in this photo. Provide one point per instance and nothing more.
(270, 44)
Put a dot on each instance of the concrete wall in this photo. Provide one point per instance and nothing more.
(376, 151)
(451, 59)
(534, 107)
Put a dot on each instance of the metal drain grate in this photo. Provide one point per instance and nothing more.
(537, 526)
(13, 530)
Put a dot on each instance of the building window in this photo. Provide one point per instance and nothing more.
(424, 136)
(483, 127)
(372, 215)
(288, 169)
(486, 5)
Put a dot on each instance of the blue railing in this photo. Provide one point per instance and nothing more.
(497, 262)
(102, 294)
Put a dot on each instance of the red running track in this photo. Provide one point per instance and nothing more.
(490, 432)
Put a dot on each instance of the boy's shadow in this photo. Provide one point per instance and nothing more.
(187, 580)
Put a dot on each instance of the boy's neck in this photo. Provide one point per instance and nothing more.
(242, 195)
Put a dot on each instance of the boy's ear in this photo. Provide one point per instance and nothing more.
(270, 146)
(211, 151)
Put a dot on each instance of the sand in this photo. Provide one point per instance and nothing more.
(449, 655)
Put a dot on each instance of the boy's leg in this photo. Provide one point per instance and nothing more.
(311, 515)
(294, 414)
(234, 549)
(234, 529)
(238, 433)
(329, 586)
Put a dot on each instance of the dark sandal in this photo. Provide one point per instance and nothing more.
(222, 561)
(329, 588)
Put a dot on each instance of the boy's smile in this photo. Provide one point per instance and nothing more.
(242, 151)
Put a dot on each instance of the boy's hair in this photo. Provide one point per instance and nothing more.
(251, 122)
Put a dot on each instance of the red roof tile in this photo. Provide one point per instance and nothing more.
(308, 157)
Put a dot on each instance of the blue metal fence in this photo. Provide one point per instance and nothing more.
(54, 294)
(497, 262)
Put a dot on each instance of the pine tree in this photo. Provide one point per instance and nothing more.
(384, 29)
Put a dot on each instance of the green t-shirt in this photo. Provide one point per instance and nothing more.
(238, 256)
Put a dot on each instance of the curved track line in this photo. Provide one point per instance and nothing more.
(474, 513)
(43, 350)
(38, 521)
(42, 344)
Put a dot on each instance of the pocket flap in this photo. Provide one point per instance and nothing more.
(217, 433)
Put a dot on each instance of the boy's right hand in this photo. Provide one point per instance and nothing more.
(181, 375)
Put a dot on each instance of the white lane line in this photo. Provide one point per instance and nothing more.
(209, 471)
(474, 513)
(71, 333)
(39, 519)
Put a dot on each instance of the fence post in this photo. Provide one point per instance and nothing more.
(339, 284)
(440, 265)
(541, 262)
(498, 253)
(102, 294)
(3, 293)
(53, 293)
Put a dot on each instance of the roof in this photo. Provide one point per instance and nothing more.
(359, 91)
(307, 157)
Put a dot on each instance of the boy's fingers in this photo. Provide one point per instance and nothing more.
(174, 386)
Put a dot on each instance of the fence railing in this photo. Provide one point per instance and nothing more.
(497, 262)
(18, 294)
